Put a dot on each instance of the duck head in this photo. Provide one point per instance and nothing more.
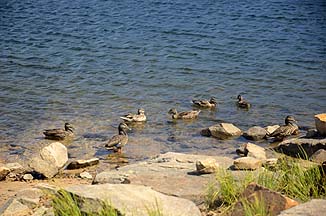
(240, 98)
(213, 100)
(69, 127)
(123, 127)
(173, 111)
(290, 120)
(141, 111)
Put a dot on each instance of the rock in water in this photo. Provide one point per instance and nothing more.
(255, 133)
(320, 121)
(134, 200)
(223, 131)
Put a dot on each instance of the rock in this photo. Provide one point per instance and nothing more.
(4, 171)
(56, 153)
(170, 173)
(206, 166)
(28, 177)
(320, 121)
(274, 202)
(131, 199)
(270, 162)
(16, 171)
(304, 148)
(312, 133)
(252, 150)
(271, 129)
(14, 207)
(247, 163)
(29, 197)
(50, 160)
(83, 163)
(319, 156)
(255, 133)
(85, 175)
(314, 207)
(224, 131)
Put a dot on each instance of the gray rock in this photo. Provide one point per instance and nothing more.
(83, 163)
(16, 171)
(247, 163)
(206, 166)
(319, 156)
(4, 171)
(14, 207)
(314, 207)
(304, 148)
(252, 150)
(170, 173)
(320, 121)
(224, 131)
(85, 175)
(132, 199)
(270, 162)
(28, 177)
(270, 129)
(50, 159)
(29, 197)
(255, 133)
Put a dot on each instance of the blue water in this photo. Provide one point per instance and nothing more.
(90, 61)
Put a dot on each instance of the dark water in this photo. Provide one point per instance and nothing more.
(90, 61)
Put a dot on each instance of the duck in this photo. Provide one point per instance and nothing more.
(120, 140)
(212, 103)
(290, 128)
(139, 117)
(184, 115)
(242, 103)
(59, 133)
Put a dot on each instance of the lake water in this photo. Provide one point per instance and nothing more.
(89, 62)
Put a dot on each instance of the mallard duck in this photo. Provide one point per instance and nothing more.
(139, 117)
(59, 133)
(184, 115)
(290, 128)
(118, 141)
(242, 103)
(212, 103)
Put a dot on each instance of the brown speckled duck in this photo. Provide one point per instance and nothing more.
(242, 103)
(59, 133)
(290, 128)
(120, 140)
(139, 117)
(212, 103)
(184, 115)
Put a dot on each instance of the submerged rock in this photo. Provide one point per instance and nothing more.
(134, 200)
(222, 131)
(255, 133)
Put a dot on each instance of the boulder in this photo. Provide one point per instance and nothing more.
(273, 201)
(319, 156)
(29, 197)
(4, 171)
(223, 131)
(83, 163)
(270, 129)
(252, 150)
(130, 199)
(314, 207)
(50, 159)
(255, 133)
(170, 173)
(320, 121)
(247, 163)
(14, 207)
(16, 171)
(304, 148)
(206, 166)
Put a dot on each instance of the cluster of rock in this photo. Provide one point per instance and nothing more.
(173, 182)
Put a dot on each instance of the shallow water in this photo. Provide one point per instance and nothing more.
(89, 62)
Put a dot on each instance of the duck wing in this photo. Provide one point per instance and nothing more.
(117, 141)
(57, 134)
(283, 131)
(189, 114)
(202, 103)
